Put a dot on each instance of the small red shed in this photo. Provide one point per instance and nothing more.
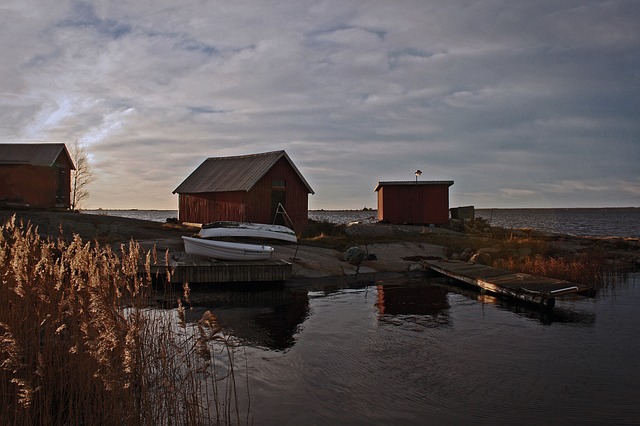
(246, 188)
(414, 202)
(35, 174)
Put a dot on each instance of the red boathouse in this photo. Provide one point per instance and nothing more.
(246, 188)
(413, 202)
(35, 175)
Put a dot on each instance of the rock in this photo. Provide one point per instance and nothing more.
(481, 258)
(354, 255)
(466, 254)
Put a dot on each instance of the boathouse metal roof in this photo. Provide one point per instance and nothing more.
(237, 173)
(412, 183)
(34, 154)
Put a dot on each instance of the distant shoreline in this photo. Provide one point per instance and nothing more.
(375, 210)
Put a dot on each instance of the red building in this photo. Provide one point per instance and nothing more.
(35, 174)
(414, 202)
(247, 188)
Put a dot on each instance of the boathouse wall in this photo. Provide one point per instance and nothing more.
(40, 186)
(212, 207)
(280, 185)
(416, 203)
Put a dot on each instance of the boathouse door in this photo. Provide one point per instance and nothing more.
(278, 197)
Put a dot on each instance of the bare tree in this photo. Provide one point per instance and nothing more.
(81, 177)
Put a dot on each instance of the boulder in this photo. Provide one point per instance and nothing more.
(354, 255)
(481, 258)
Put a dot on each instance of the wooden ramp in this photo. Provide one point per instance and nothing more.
(196, 269)
(529, 288)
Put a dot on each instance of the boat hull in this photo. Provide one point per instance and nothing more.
(248, 230)
(224, 250)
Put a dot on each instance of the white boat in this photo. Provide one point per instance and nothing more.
(224, 250)
(247, 229)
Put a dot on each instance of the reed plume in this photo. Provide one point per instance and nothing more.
(79, 344)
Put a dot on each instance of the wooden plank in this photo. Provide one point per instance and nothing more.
(529, 288)
(195, 269)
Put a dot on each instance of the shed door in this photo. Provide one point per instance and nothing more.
(277, 197)
(61, 190)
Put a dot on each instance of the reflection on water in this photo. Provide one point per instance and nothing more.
(258, 316)
(560, 314)
(417, 350)
(420, 304)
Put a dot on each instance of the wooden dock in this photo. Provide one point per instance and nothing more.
(195, 269)
(529, 288)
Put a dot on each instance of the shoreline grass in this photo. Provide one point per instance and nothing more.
(79, 346)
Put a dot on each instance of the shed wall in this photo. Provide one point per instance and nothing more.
(37, 186)
(419, 204)
(262, 202)
(212, 207)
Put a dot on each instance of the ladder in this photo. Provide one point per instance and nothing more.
(281, 211)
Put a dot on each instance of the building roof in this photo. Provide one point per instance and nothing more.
(238, 173)
(412, 183)
(34, 154)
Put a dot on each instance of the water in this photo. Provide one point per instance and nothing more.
(419, 351)
(153, 215)
(597, 222)
(602, 222)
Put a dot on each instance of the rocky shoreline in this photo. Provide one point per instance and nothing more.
(386, 248)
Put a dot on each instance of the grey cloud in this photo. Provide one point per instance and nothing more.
(520, 103)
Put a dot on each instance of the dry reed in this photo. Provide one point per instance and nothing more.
(590, 269)
(79, 345)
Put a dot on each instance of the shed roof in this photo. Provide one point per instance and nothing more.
(238, 173)
(34, 154)
(412, 183)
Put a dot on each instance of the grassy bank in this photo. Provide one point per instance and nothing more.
(79, 345)
(594, 262)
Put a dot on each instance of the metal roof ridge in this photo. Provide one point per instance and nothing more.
(269, 159)
(412, 182)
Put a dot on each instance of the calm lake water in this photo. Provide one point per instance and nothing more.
(602, 222)
(611, 222)
(599, 222)
(417, 350)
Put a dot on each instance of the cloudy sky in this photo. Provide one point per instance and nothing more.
(522, 103)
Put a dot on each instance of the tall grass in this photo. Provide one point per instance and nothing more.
(591, 269)
(79, 345)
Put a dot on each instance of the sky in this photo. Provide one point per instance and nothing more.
(521, 103)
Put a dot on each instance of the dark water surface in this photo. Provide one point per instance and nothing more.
(420, 351)
(598, 222)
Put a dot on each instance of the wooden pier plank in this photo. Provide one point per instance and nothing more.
(530, 288)
(196, 269)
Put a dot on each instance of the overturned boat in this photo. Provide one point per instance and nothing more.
(224, 250)
(247, 229)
